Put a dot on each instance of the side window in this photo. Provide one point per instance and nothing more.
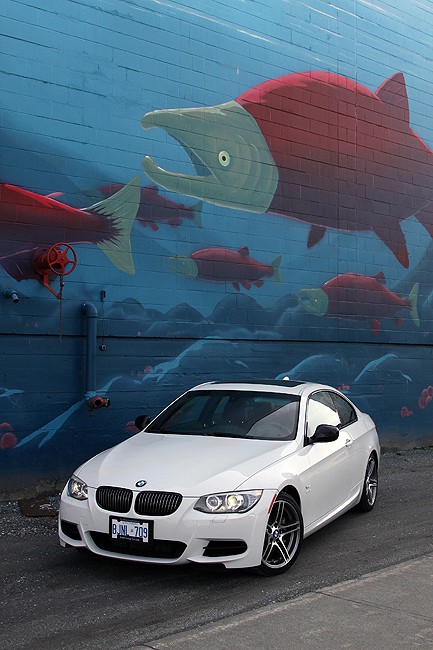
(345, 410)
(321, 410)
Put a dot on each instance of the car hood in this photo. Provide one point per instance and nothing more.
(191, 465)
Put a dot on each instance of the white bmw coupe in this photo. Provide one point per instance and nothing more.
(230, 473)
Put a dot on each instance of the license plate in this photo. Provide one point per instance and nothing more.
(132, 529)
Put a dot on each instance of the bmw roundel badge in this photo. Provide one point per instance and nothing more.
(140, 483)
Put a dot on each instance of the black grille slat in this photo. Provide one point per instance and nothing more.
(157, 504)
(114, 499)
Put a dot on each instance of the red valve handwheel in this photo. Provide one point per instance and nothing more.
(57, 259)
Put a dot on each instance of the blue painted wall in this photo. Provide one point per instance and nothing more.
(189, 287)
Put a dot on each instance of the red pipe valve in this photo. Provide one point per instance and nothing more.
(55, 260)
(98, 402)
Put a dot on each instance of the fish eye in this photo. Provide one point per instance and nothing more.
(224, 158)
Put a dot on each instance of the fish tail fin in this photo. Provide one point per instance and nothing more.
(277, 272)
(122, 209)
(413, 299)
(196, 210)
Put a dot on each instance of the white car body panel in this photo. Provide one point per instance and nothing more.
(194, 465)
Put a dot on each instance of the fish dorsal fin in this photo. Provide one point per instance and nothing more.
(244, 251)
(316, 234)
(393, 92)
(380, 277)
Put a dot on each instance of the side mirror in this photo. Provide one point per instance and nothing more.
(142, 421)
(325, 433)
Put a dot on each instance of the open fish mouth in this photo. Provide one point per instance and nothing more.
(201, 170)
(228, 151)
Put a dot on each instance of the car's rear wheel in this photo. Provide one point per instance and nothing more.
(369, 488)
(283, 536)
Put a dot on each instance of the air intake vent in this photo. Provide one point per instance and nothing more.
(114, 499)
(157, 503)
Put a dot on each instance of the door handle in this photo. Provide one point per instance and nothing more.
(348, 442)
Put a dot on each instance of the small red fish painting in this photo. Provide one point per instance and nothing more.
(225, 265)
(155, 208)
(359, 297)
(30, 221)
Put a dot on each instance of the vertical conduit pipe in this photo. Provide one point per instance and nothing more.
(91, 313)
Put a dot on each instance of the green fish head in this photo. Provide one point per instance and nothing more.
(228, 150)
(184, 266)
(314, 301)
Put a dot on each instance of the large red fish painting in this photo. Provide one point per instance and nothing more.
(313, 146)
(29, 221)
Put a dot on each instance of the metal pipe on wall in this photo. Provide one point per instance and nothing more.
(91, 313)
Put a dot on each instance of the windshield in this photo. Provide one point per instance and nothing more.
(231, 414)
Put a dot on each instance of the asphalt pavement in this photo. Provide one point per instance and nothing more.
(363, 581)
(391, 609)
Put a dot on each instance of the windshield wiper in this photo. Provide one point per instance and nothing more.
(221, 434)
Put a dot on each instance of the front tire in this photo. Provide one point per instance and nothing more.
(283, 536)
(370, 486)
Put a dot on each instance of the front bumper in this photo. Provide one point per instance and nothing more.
(187, 535)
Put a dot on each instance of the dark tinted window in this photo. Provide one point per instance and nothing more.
(243, 414)
(345, 410)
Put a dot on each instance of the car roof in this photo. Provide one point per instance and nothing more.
(293, 387)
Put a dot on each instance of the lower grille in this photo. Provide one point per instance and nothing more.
(220, 548)
(70, 530)
(114, 499)
(159, 548)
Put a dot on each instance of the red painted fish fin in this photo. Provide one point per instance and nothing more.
(19, 267)
(393, 92)
(53, 195)
(397, 245)
(375, 327)
(259, 283)
(244, 251)
(380, 277)
(425, 217)
(246, 284)
(316, 234)
(153, 226)
(236, 286)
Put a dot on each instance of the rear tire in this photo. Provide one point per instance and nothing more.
(370, 486)
(283, 536)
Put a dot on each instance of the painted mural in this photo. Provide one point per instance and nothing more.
(286, 232)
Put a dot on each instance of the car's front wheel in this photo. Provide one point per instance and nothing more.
(369, 488)
(283, 537)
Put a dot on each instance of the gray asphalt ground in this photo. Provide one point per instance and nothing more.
(389, 609)
(363, 581)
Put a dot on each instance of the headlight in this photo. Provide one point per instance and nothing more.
(77, 488)
(228, 502)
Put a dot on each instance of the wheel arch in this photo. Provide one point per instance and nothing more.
(291, 491)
